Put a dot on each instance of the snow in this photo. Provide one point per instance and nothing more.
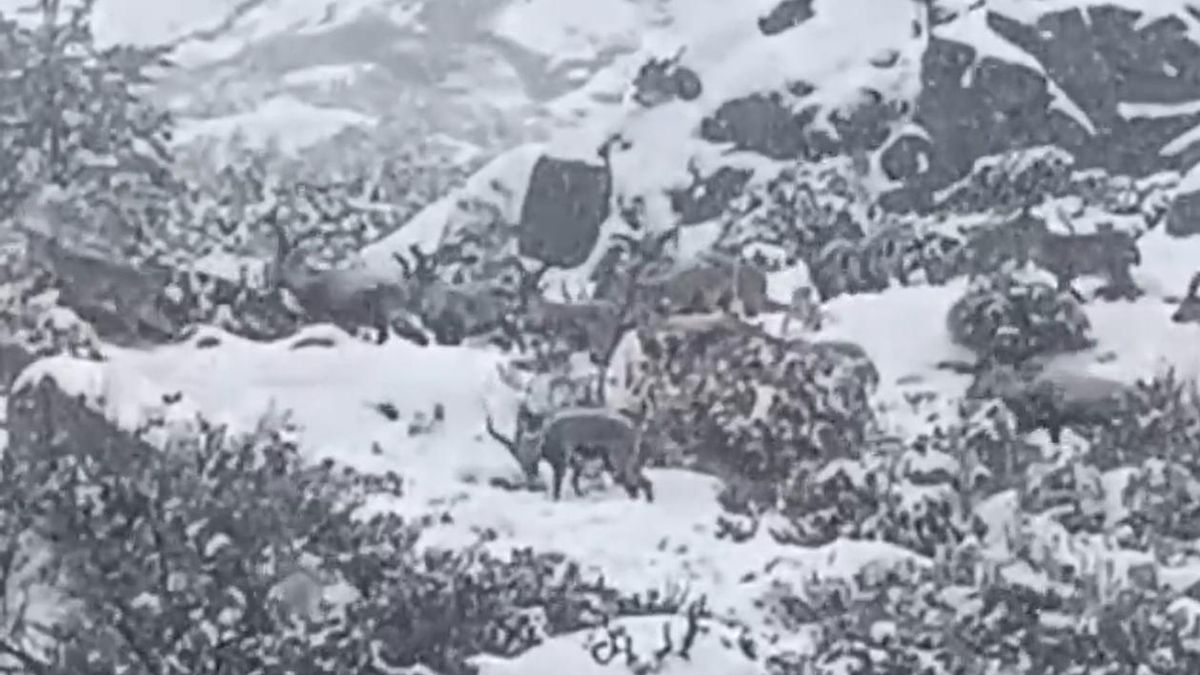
(271, 18)
(716, 654)
(284, 119)
(721, 41)
(327, 75)
(571, 31)
(156, 22)
(1190, 181)
(332, 391)
(971, 28)
(1182, 142)
(1157, 110)
(509, 171)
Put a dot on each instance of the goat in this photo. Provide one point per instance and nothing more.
(1189, 308)
(709, 283)
(453, 311)
(1107, 252)
(1053, 400)
(95, 287)
(594, 323)
(566, 438)
(348, 297)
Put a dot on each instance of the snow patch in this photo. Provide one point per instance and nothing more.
(284, 119)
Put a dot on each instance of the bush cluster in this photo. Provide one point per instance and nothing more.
(1006, 319)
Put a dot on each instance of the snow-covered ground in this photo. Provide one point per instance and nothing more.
(332, 391)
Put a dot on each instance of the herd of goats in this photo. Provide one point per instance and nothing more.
(721, 286)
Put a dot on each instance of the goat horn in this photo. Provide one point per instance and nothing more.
(1193, 285)
(490, 426)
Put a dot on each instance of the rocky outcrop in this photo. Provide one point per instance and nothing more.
(787, 14)
(914, 107)
(1114, 89)
(1183, 218)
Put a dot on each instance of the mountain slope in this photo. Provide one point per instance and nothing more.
(918, 98)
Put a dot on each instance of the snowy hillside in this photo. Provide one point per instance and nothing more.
(891, 305)
(919, 97)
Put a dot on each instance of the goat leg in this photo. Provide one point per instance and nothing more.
(559, 470)
(576, 474)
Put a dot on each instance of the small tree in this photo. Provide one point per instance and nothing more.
(80, 120)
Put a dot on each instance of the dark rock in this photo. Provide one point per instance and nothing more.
(907, 158)
(567, 202)
(1183, 217)
(1100, 58)
(760, 123)
(660, 81)
(768, 125)
(786, 15)
(707, 196)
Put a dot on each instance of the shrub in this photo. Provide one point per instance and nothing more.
(914, 497)
(230, 554)
(974, 615)
(1009, 320)
(1161, 502)
(1012, 180)
(743, 402)
(1069, 490)
(1160, 419)
(32, 320)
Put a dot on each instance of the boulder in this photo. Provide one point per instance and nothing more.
(785, 15)
(707, 196)
(565, 205)
(1183, 216)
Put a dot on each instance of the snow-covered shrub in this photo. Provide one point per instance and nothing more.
(33, 323)
(246, 307)
(744, 403)
(229, 553)
(1006, 319)
(801, 210)
(1011, 181)
(102, 139)
(916, 497)
(1070, 490)
(1160, 418)
(1160, 501)
(975, 614)
(834, 501)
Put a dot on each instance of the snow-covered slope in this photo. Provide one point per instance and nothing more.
(920, 93)
(449, 467)
(497, 72)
